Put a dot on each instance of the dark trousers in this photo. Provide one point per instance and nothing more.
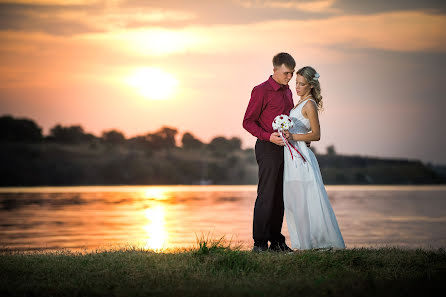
(269, 209)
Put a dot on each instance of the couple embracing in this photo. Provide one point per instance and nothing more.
(288, 184)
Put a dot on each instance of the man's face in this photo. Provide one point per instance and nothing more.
(282, 74)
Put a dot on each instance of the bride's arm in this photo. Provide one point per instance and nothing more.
(310, 111)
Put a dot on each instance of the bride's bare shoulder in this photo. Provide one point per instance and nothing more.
(310, 106)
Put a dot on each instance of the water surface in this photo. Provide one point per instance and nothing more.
(156, 217)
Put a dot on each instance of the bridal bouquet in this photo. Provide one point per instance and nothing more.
(283, 122)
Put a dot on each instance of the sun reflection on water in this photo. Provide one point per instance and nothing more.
(155, 228)
(155, 193)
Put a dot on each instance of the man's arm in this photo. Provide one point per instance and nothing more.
(252, 114)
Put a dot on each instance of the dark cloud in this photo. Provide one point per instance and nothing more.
(53, 26)
(50, 18)
(15, 7)
(379, 6)
(46, 18)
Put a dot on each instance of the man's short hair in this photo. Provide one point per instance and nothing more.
(284, 58)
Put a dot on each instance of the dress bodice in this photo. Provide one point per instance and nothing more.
(301, 124)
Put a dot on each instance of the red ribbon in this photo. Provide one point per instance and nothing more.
(290, 145)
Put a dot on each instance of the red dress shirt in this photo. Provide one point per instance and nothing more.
(268, 100)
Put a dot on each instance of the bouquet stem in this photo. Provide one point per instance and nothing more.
(290, 145)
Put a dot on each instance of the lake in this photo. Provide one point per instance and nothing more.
(155, 217)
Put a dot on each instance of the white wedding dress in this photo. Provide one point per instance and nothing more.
(309, 215)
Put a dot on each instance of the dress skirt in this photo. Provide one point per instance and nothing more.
(310, 218)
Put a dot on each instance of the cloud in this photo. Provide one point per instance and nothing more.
(327, 40)
(402, 31)
(305, 6)
(239, 11)
(55, 19)
(348, 6)
(382, 6)
(80, 17)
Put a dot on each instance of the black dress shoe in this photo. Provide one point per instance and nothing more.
(285, 248)
(280, 247)
(260, 247)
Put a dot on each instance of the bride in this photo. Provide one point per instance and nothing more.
(310, 218)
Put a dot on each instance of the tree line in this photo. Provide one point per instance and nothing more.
(70, 156)
(27, 131)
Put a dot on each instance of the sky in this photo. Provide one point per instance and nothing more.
(136, 66)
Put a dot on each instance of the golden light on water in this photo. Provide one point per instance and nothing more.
(156, 229)
(153, 83)
(156, 193)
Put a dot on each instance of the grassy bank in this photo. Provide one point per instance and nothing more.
(217, 270)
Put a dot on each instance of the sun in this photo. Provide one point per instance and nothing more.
(153, 83)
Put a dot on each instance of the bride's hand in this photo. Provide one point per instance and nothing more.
(287, 134)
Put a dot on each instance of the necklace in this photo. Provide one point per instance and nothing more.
(300, 101)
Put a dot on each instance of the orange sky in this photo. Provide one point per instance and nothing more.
(138, 65)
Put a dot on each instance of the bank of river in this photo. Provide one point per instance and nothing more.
(218, 271)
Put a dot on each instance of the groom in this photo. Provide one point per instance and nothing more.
(268, 100)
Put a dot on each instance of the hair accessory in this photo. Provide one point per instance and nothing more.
(316, 76)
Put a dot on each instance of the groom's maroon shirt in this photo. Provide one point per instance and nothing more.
(268, 100)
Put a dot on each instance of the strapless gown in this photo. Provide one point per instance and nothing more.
(310, 218)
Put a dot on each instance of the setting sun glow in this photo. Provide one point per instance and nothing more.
(153, 83)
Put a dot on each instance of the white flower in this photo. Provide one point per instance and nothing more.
(282, 122)
(316, 76)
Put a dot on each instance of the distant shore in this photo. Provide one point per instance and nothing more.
(218, 270)
(54, 164)
(71, 156)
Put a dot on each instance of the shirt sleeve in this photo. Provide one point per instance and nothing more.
(252, 114)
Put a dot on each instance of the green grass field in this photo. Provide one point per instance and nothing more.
(215, 269)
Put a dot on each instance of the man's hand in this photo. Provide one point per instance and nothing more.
(276, 139)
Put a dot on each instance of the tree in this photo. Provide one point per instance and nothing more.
(235, 143)
(113, 137)
(70, 134)
(188, 141)
(331, 150)
(163, 138)
(222, 144)
(140, 143)
(21, 130)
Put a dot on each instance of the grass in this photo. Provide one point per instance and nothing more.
(218, 268)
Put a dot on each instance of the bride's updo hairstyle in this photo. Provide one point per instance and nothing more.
(312, 78)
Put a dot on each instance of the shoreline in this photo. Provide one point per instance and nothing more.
(185, 187)
(243, 247)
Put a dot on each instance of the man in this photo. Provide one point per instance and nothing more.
(268, 100)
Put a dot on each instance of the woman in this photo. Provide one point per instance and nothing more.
(310, 218)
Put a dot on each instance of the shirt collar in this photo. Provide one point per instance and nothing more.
(276, 86)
